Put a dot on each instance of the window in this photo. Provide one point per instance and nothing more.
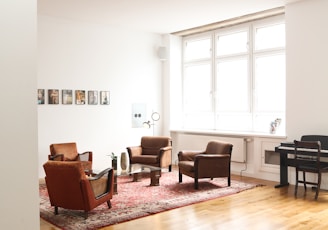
(234, 78)
(233, 43)
(198, 77)
(198, 49)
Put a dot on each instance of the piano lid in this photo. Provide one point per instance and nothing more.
(323, 139)
(287, 144)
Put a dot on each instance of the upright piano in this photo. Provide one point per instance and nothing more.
(286, 151)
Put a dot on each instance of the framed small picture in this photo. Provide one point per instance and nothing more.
(40, 96)
(53, 96)
(67, 96)
(80, 97)
(92, 97)
(104, 97)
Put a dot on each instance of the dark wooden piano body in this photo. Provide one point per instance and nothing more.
(287, 148)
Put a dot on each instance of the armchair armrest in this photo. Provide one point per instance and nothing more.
(134, 151)
(165, 151)
(57, 157)
(85, 156)
(165, 148)
(212, 156)
(101, 184)
(100, 174)
(165, 156)
(187, 155)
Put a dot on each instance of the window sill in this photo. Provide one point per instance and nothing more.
(228, 133)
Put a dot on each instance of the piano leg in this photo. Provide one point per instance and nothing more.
(283, 171)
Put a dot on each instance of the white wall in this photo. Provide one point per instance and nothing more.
(19, 200)
(307, 72)
(76, 55)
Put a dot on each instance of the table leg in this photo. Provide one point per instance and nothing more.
(283, 171)
(115, 184)
(154, 178)
(136, 177)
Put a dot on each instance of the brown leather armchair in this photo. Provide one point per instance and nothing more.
(70, 188)
(212, 163)
(68, 152)
(154, 151)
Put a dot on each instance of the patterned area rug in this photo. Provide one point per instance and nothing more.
(138, 199)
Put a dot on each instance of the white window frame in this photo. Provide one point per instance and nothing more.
(209, 120)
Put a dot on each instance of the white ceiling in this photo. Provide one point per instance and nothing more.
(156, 16)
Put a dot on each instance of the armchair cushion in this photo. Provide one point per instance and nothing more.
(68, 152)
(153, 150)
(188, 155)
(216, 147)
(187, 166)
(152, 145)
(146, 159)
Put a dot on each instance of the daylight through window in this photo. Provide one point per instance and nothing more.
(234, 78)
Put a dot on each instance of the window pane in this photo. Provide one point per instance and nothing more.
(234, 122)
(199, 121)
(198, 49)
(232, 43)
(232, 86)
(197, 88)
(270, 37)
(270, 83)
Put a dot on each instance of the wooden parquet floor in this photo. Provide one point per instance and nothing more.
(262, 208)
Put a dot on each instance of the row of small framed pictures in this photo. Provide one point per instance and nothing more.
(67, 97)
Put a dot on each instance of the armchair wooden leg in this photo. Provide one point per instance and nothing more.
(229, 181)
(170, 168)
(296, 183)
(109, 204)
(304, 179)
(85, 215)
(180, 177)
(318, 187)
(56, 210)
(196, 183)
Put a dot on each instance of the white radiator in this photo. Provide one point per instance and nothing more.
(198, 142)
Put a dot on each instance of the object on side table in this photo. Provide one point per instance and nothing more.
(114, 161)
(125, 161)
